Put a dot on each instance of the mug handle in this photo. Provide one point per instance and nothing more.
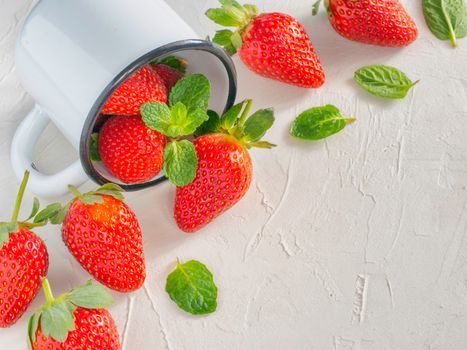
(22, 148)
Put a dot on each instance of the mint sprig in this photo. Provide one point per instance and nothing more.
(185, 113)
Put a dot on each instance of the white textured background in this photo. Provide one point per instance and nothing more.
(354, 243)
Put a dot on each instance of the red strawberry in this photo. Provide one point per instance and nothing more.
(274, 45)
(224, 168)
(74, 321)
(23, 262)
(143, 86)
(103, 234)
(169, 75)
(130, 150)
(171, 69)
(382, 22)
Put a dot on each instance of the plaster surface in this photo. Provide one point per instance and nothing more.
(357, 242)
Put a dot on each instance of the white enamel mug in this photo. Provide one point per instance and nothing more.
(71, 55)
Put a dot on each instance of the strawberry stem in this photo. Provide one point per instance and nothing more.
(75, 191)
(47, 290)
(19, 197)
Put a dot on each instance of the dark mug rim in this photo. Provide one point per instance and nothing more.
(182, 45)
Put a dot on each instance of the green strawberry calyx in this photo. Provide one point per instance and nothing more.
(232, 14)
(55, 213)
(316, 6)
(56, 317)
(235, 122)
(13, 226)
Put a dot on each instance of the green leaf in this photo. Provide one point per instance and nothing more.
(261, 144)
(174, 62)
(57, 320)
(111, 189)
(384, 81)
(316, 6)
(180, 162)
(252, 10)
(35, 208)
(224, 38)
(191, 286)
(156, 116)
(48, 212)
(193, 90)
(237, 41)
(174, 122)
(5, 229)
(33, 324)
(318, 123)
(94, 148)
(447, 19)
(230, 117)
(257, 124)
(90, 295)
(210, 126)
(90, 199)
(234, 18)
(58, 218)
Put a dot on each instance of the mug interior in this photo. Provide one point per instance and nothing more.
(203, 57)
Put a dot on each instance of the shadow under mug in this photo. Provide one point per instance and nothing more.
(72, 55)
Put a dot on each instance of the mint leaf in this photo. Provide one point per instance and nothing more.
(318, 123)
(257, 124)
(174, 122)
(94, 148)
(210, 126)
(447, 19)
(90, 295)
(58, 319)
(193, 91)
(384, 81)
(191, 286)
(180, 162)
(156, 116)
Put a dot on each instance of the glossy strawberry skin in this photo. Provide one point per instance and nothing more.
(169, 75)
(377, 22)
(276, 46)
(95, 329)
(106, 240)
(130, 150)
(222, 179)
(24, 262)
(143, 86)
